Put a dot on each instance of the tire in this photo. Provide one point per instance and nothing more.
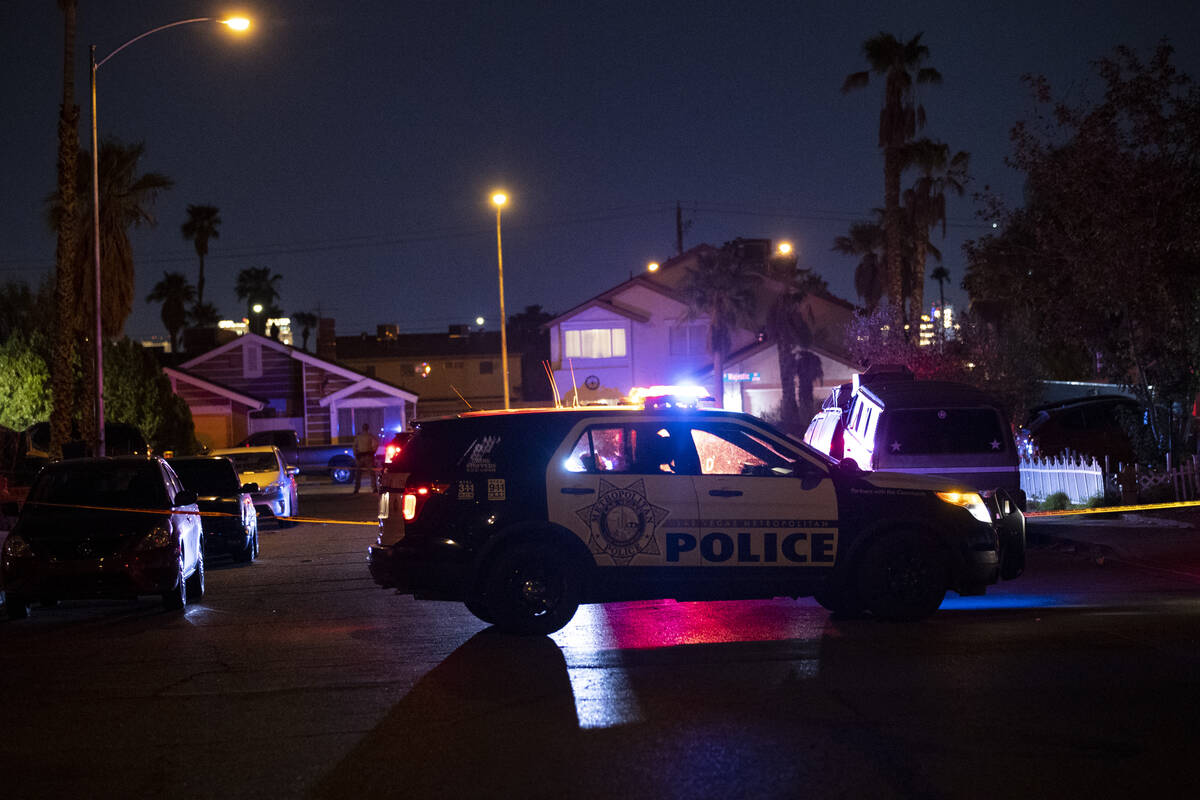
(195, 584)
(16, 606)
(175, 598)
(341, 470)
(902, 576)
(244, 555)
(532, 588)
(841, 601)
(476, 606)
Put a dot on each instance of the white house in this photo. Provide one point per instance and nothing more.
(638, 334)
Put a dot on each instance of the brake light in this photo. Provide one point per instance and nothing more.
(390, 453)
(415, 497)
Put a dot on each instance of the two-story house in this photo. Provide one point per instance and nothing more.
(639, 333)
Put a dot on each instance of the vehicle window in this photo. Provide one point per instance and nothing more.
(928, 431)
(118, 486)
(600, 449)
(254, 462)
(207, 476)
(729, 450)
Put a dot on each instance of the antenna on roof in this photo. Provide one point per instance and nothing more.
(460, 397)
(574, 385)
(553, 385)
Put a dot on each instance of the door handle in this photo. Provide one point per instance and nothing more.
(574, 490)
(724, 493)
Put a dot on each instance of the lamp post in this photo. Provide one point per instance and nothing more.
(499, 199)
(234, 23)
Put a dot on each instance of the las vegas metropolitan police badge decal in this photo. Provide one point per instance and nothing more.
(622, 522)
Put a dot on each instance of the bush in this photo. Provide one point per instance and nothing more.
(1058, 501)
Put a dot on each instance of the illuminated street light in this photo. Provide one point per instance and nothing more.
(784, 249)
(499, 199)
(233, 23)
(257, 309)
(652, 266)
(479, 321)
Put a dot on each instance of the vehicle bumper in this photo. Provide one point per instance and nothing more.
(270, 504)
(149, 572)
(231, 538)
(439, 572)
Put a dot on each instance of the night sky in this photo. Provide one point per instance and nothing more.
(352, 146)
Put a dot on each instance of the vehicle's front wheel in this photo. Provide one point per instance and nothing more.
(902, 576)
(532, 588)
(176, 597)
(16, 606)
(342, 471)
(841, 600)
(195, 584)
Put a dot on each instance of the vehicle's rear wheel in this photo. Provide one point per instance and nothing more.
(477, 607)
(195, 584)
(244, 555)
(176, 597)
(16, 606)
(341, 470)
(532, 588)
(902, 576)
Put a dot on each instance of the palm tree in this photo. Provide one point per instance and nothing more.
(66, 316)
(865, 239)
(900, 64)
(204, 315)
(201, 225)
(720, 287)
(256, 285)
(925, 205)
(307, 321)
(942, 276)
(126, 199)
(792, 332)
(174, 292)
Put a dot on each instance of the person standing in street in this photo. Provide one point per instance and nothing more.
(365, 445)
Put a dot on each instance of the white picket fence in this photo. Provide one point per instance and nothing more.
(1081, 479)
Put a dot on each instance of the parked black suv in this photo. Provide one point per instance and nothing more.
(524, 515)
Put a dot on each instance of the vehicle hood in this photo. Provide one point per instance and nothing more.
(905, 480)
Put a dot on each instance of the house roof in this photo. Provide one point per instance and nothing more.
(300, 355)
(216, 388)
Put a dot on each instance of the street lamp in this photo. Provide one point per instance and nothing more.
(499, 199)
(233, 23)
(784, 249)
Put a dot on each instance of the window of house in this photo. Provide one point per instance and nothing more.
(594, 343)
(485, 367)
(454, 365)
(689, 340)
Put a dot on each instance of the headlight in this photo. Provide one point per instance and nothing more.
(157, 538)
(971, 501)
(16, 547)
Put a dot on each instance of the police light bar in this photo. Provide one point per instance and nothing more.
(668, 396)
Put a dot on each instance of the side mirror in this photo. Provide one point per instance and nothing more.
(849, 466)
(249, 488)
(185, 498)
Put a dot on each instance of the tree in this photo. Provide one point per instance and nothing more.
(257, 286)
(174, 292)
(201, 225)
(720, 288)
(925, 206)
(136, 391)
(901, 65)
(26, 381)
(126, 200)
(865, 239)
(204, 315)
(792, 333)
(307, 321)
(1102, 258)
(526, 333)
(942, 276)
(66, 258)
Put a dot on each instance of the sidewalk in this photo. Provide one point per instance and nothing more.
(1167, 541)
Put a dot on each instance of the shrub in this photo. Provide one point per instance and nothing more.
(1058, 501)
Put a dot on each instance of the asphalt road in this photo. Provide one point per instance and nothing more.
(297, 677)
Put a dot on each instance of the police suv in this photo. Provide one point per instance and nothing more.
(523, 515)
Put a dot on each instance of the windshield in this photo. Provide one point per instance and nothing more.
(207, 476)
(254, 462)
(105, 484)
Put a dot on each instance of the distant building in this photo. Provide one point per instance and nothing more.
(283, 324)
(937, 318)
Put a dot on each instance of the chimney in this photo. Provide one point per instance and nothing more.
(326, 339)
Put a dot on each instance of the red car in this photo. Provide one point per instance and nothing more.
(104, 527)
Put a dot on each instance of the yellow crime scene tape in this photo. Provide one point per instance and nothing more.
(160, 511)
(1115, 509)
